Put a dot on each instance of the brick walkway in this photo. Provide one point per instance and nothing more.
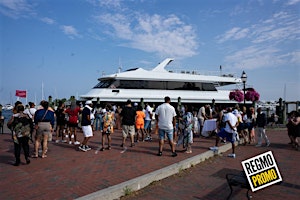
(68, 173)
(206, 181)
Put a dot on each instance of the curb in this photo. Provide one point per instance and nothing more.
(123, 189)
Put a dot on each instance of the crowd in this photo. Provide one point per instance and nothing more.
(176, 126)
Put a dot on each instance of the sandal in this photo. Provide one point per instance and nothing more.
(44, 156)
(34, 156)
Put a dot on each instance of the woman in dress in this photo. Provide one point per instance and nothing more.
(108, 127)
(44, 121)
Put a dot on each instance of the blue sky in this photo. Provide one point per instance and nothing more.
(65, 45)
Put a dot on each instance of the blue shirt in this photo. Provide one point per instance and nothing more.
(39, 116)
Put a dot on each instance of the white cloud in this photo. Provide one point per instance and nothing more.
(70, 31)
(166, 36)
(235, 33)
(106, 3)
(271, 42)
(292, 2)
(254, 57)
(47, 20)
(16, 8)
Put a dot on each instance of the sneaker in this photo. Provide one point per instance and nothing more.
(57, 141)
(268, 144)
(82, 148)
(87, 147)
(70, 142)
(76, 143)
(159, 153)
(232, 155)
(174, 154)
(214, 148)
(66, 136)
(258, 145)
(72, 136)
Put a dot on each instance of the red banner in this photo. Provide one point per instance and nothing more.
(21, 93)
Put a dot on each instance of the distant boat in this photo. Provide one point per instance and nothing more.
(7, 107)
(153, 85)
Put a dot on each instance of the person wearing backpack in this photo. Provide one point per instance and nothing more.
(20, 124)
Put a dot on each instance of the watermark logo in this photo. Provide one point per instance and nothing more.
(261, 171)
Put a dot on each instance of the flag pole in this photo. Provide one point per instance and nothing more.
(26, 96)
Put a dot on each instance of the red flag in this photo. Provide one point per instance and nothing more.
(21, 93)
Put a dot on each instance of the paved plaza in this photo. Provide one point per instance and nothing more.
(68, 173)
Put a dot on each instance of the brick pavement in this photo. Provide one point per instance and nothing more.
(68, 173)
(207, 180)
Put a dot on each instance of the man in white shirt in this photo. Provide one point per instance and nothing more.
(147, 125)
(229, 132)
(165, 116)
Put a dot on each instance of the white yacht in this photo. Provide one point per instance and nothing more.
(153, 85)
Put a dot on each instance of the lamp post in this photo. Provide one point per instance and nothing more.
(244, 79)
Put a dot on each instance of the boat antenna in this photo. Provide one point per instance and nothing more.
(120, 66)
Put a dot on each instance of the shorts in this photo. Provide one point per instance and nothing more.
(87, 131)
(44, 128)
(162, 133)
(230, 137)
(73, 125)
(147, 124)
(127, 130)
(139, 125)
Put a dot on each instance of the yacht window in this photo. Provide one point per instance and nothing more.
(158, 85)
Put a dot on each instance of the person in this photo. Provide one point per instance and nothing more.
(60, 121)
(201, 117)
(118, 117)
(295, 129)
(248, 120)
(229, 132)
(108, 127)
(73, 112)
(147, 124)
(30, 112)
(44, 121)
(260, 124)
(188, 129)
(165, 118)
(98, 118)
(86, 125)
(140, 123)
(21, 125)
(128, 120)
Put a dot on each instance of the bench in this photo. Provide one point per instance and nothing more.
(240, 180)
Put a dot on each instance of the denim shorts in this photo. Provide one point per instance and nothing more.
(229, 136)
(147, 124)
(163, 132)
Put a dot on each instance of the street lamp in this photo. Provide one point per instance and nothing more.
(244, 79)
